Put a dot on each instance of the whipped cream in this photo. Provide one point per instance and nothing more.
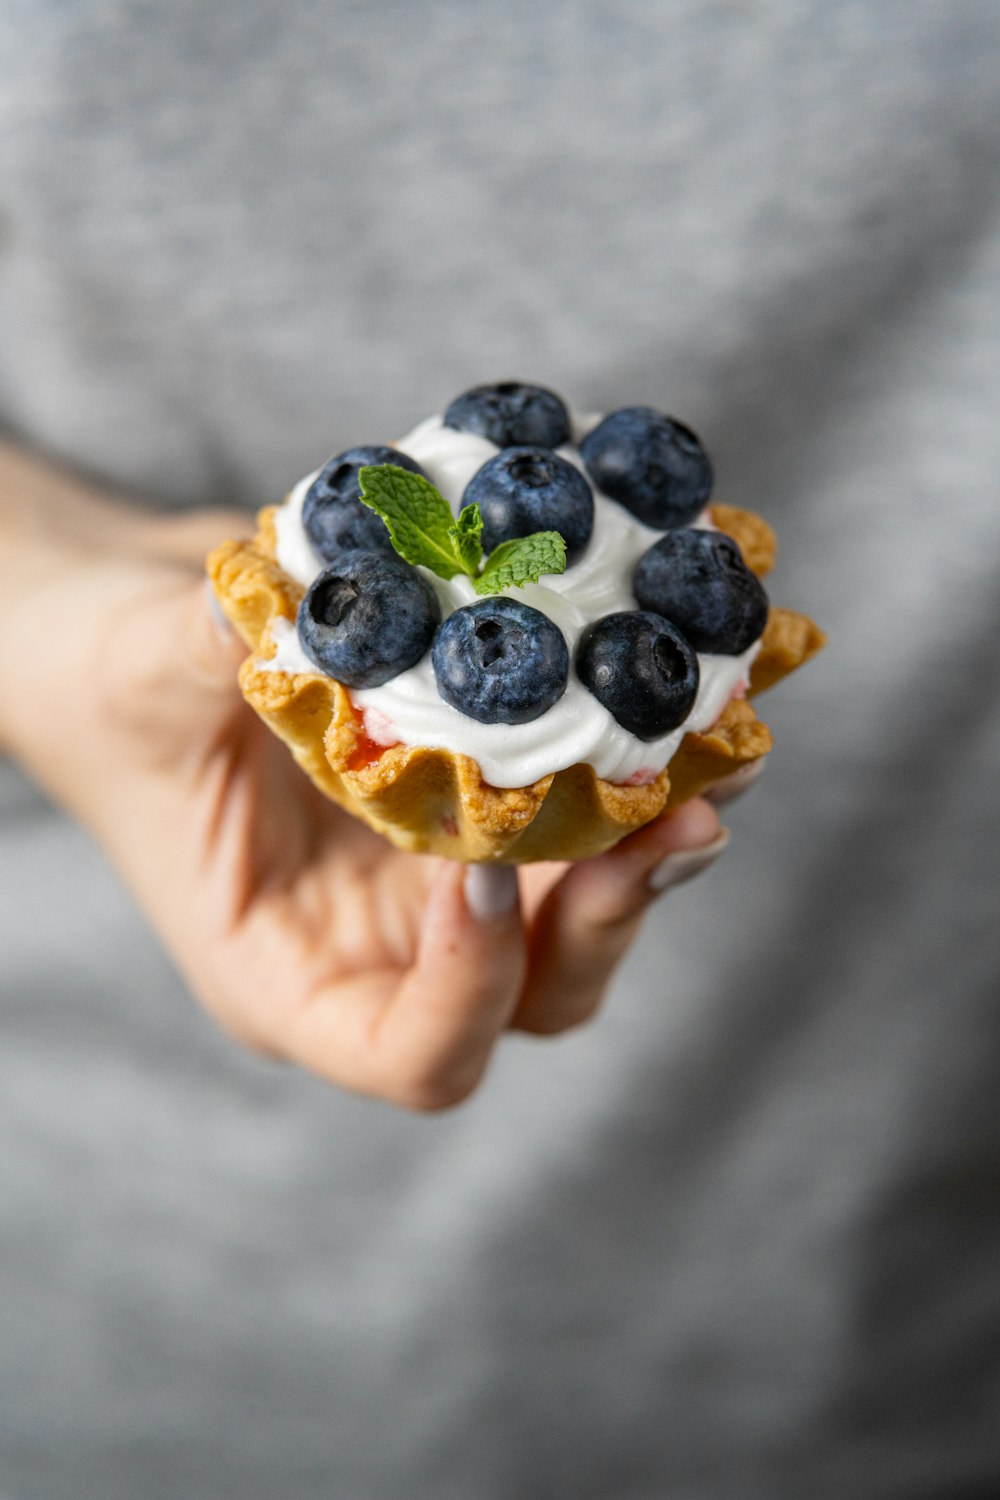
(577, 729)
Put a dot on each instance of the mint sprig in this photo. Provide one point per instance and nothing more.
(522, 560)
(424, 532)
(465, 534)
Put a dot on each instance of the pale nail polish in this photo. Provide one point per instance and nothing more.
(222, 625)
(490, 891)
(676, 868)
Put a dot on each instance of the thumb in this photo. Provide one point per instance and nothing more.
(216, 650)
(170, 670)
(209, 656)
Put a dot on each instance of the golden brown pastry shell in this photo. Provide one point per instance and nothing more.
(434, 801)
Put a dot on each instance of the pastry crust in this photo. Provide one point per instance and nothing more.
(433, 801)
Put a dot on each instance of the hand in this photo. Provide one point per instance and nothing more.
(306, 935)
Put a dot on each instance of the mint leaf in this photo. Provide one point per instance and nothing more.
(465, 534)
(521, 561)
(419, 518)
(424, 532)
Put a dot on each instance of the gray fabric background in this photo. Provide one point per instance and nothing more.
(740, 1238)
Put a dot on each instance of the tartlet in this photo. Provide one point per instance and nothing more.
(434, 797)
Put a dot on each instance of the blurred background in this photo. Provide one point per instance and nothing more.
(740, 1237)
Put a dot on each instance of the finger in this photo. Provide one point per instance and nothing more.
(201, 655)
(733, 786)
(165, 673)
(588, 920)
(425, 1040)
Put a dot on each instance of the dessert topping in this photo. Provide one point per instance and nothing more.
(528, 489)
(578, 727)
(699, 580)
(333, 517)
(367, 618)
(650, 463)
(500, 661)
(642, 669)
(510, 413)
(425, 532)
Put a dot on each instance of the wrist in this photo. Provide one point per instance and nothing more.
(53, 527)
(45, 508)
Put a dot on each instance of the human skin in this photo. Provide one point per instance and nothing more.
(306, 935)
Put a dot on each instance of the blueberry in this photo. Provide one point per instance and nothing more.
(523, 490)
(699, 580)
(500, 661)
(332, 513)
(651, 464)
(642, 669)
(367, 618)
(511, 413)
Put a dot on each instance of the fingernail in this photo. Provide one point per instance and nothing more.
(223, 628)
(731, 787)
(490, 891)
(677, 868)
